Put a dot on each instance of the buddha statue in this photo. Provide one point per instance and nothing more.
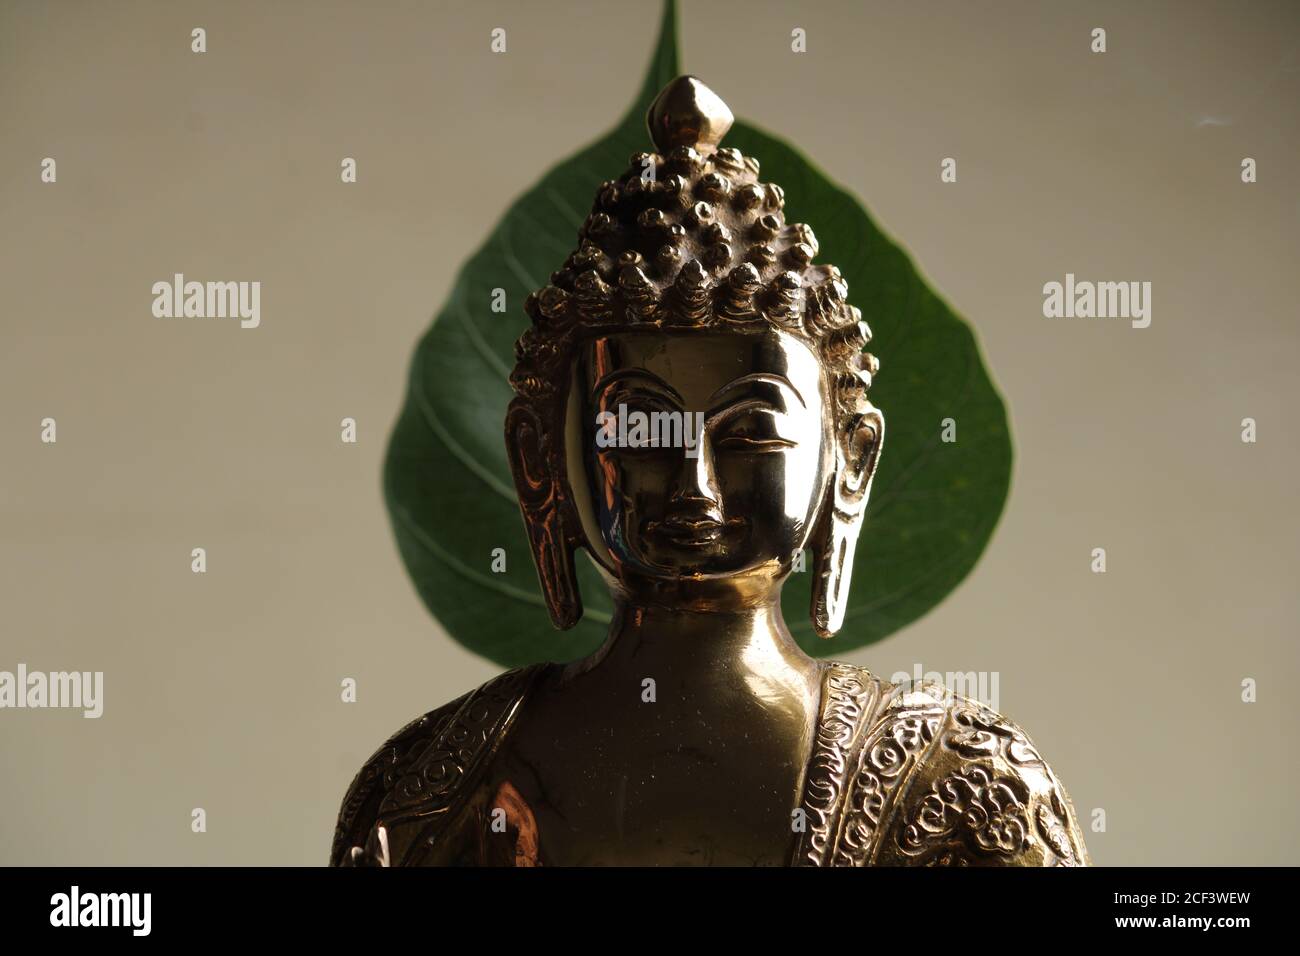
(700, 733)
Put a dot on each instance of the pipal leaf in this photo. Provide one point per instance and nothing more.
(934, 503)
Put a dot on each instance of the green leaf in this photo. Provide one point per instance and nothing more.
(934, 504)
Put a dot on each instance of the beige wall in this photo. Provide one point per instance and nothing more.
(222, 689)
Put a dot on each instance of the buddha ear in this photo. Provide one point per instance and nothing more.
(547, 509)
(857, 450)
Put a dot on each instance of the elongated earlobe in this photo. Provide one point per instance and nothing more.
(546, 507)
(835, 539)
(833, 546)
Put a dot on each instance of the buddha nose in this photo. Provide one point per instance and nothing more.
(696, 488)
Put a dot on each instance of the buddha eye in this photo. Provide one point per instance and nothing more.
(639, 423)
(753, 433)
(744, 443)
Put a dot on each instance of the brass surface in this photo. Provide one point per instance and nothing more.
(700, 733)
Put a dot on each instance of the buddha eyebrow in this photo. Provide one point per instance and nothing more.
(768, 377)
(639, 373)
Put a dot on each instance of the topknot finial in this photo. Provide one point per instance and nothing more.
(688, 113)
(689, 237)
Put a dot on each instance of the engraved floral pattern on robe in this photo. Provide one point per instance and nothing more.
(987, 814)
(935, 779)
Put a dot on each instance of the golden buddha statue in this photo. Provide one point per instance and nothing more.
(700, 733)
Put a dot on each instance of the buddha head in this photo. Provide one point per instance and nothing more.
(691, 395)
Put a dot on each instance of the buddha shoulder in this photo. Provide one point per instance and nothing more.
(912, 774)
(414, 781)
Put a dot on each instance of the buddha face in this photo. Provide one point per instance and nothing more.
(697, 454)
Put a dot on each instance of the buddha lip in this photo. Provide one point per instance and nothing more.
(694, 531)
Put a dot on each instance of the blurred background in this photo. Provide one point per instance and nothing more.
(222, 689)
